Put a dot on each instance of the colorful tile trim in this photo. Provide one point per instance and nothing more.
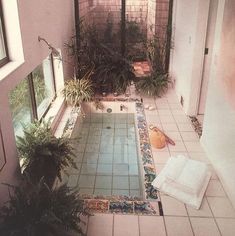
(124, 207)
(196, 125)
(127, 204)
(146, 154)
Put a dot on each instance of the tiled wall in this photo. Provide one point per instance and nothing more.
(84, 8)
(162, 7)
(157, 18)
(150, 14)
(151, 17)
(101, 10)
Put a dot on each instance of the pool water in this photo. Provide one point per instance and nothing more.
(107, 155)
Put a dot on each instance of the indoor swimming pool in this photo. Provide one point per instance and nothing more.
(107, 152)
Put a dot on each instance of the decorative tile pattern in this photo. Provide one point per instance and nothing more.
(126, 204)
(196, 125)
(99, 206)
(146, 154)
(125, 207)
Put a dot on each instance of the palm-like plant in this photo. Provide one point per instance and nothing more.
(36, 210)
(43, 154)
(155, 84)
(78, 90)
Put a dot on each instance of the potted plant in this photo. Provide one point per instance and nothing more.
(37, 210)
(154, 85)
(43, 154)
(78, 90)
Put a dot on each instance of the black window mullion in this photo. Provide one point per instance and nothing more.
(32, 97)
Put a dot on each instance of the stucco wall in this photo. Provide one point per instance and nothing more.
(50, 19)
(189, 33)
(219, 123)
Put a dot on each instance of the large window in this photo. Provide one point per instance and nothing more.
(3, 48)
(31, 98)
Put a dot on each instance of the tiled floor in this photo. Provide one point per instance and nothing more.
(216, 216)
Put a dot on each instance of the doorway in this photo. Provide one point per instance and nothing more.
(210, 38)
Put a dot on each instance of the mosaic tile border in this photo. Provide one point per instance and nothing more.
(123, 207)
(126, 204)
(196, 125)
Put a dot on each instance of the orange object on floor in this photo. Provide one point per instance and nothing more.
(168, 139)
(157, 139)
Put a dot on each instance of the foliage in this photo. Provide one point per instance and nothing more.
(78, 90)
(19, 96)
(157, 48)
(37, 210)
(98, 104)
(43, 154)
(134, 34)
(113, 73)
(155, 84)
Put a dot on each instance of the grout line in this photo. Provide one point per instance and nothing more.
(213, 215)
(189, 219)
(139, 224)
(113, 226)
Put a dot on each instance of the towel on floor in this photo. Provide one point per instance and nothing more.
(184, 179)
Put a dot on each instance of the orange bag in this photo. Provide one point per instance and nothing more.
(157, 139)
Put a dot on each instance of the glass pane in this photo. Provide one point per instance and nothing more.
(43, 86)
(2, 44)
(19, 99)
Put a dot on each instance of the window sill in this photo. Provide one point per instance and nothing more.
(9, 68)
(55, 111)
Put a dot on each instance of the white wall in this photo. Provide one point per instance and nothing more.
(50, 19)
(219, 122)
(189, 32)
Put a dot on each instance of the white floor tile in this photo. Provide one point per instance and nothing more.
(172, 206)
(178, 226)
(204, 210)
(226, 226)
(221, 207)
(100, 225)
(126, 225)
(215, 189)
(204, 227)
(151, 225)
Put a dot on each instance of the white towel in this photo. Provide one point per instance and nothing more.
(191, 183)
(191, 176)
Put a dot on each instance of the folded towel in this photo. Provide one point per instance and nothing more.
(191, 176)
(174, 166)
(191, 183)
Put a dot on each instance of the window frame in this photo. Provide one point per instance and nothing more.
(32, 91)
(34, 115)
(6, 59)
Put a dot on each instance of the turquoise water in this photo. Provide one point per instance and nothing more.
(107, 156)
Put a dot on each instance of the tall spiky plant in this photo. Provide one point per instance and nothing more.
(78, 90)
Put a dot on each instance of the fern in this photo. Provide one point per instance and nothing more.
(43, 154)
(36, 210)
